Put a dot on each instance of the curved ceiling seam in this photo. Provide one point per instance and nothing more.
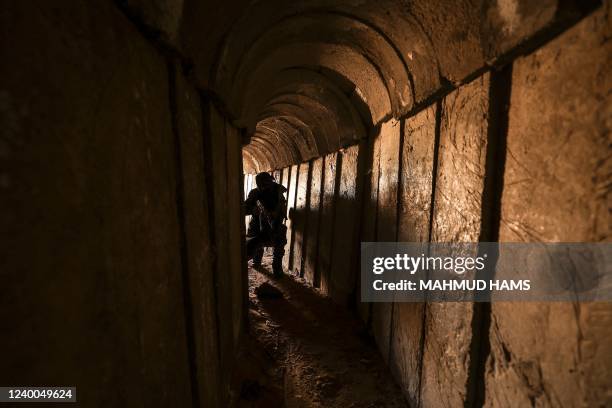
(314, 12)
(288, 141)
(285, 100)
(320, 145)
(290, 151)
(389, 75)
(261, 152)
(391, 43)
(330, 85)
(312, 149)
(278, 152)
(278, 98)
(248, 160)
(345, 101)
(320, 133)
(337, 131)
(300, 150)
(230, 35)
(367, 84)
(343, 97)
(362, 107)
(384, 79)
(264, 147)
(314, 122)
(256, 157)
(309, 146)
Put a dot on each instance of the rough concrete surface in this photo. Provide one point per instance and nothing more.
(216, 150)
(197, 234)
(346, 228)
(390, 146)
(234, 228)
(162, 17)
(326, 226)
(369, 207)
(386, 218)
(417, 176)
(457, 212)
(413, 226)
(90, 264)
(314, 213)
(300, 218)
(452, 27)
(557, 189)
(507, 23)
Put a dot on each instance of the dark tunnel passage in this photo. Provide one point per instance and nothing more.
(133, 131)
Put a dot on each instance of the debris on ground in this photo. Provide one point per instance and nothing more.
(305, 351)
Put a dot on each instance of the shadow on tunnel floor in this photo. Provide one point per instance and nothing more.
(308, 351)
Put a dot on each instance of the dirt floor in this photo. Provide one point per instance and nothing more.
(305, 351)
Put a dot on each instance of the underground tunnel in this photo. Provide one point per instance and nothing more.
(133, 132)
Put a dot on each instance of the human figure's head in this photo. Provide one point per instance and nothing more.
(264, 180)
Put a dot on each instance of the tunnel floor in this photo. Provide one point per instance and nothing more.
(305, 351)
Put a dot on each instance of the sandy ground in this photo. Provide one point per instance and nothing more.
(305, 351)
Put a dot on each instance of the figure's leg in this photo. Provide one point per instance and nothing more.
(280, 240)
(277, 260)
(254, 244)
(258, 256)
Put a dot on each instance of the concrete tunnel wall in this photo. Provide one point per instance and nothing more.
(120, 169)
(121, 186)
(433, 175)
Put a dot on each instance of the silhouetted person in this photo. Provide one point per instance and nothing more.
(268, 208)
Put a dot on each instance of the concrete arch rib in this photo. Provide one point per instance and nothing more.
(295, 130)
(345, 61)
(320, 122)
(338, 127)
(308, 78)
(314, 86)
(386, 24)
(290, 153)
(249, 163)
(262, 154)
(345, 31)
(256, 160)
(277, 155)
(280, 155)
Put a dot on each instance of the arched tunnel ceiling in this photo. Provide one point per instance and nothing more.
(307, 78)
